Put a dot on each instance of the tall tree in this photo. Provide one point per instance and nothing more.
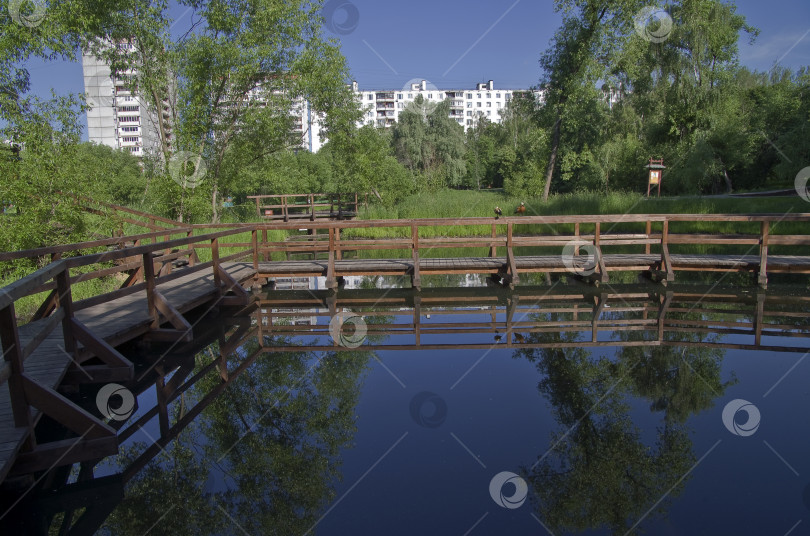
(581, 53)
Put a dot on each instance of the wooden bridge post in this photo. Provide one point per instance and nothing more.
(416, 278)
(603, 275)
(312, 207)
(215, 262)
(331, 280)
(12, 354)
(762, 278)
(666, 263)
(192, 257)
(66, 304)
(576, 239)
(264, 243)
(338, 249)
(493, 249)
(662, 314)
(647, 245)
(598, 307)
(149, 279)
(514, 278)
(759, 318)
(254, 238)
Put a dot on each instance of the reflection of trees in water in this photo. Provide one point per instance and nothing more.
(599, 473)
(278, 429)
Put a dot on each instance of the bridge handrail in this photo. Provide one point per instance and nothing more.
(65, 248)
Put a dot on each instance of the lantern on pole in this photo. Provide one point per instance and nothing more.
(656, 168)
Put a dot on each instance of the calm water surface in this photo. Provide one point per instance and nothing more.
(548, 410)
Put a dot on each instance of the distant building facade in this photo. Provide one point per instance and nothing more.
(118, 117)
(382, 108)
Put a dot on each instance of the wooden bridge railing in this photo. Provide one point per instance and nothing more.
(651, 233)
(306, 206)
(643, 318)
(96, 438)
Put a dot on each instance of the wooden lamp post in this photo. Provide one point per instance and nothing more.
(656, 168)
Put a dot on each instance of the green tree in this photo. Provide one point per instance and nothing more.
(582, 52)
(431, 144)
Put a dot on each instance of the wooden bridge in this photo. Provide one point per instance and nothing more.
(311, 207)
(585, 246)
(526, 318)
(682, 316)
(162, 277)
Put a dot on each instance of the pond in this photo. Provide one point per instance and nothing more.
(462, 409)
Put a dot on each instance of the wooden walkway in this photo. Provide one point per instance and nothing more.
(69, 343)
(546, 263)
(115, 322)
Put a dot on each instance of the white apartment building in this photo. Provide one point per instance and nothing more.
(121, 119)
(117, 117)
(383, 107)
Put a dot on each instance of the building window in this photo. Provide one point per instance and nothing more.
(410, 95)
(130, 139)
(489, 112)
(371, 97)
(479, 95)
(430, 95)
(489, 95)
(399, 96)
(469, 114)
(489, 104)
(469, 95)
(497, 95)
(479, 104)
(469, 105)
(469, 121)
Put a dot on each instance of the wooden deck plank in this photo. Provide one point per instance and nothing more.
(115, 321)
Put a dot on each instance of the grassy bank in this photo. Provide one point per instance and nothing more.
(459, 204)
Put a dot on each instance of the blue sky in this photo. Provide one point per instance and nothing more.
(457, 43)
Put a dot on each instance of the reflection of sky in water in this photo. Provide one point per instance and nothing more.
(501, 412)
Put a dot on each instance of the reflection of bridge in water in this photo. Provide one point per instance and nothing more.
(642, 318)
(188, 379)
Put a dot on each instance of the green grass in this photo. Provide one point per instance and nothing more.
(459, 204)
(462, 204)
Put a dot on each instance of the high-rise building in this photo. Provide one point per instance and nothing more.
(383, 107)
(122, 119)
(119, 117)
